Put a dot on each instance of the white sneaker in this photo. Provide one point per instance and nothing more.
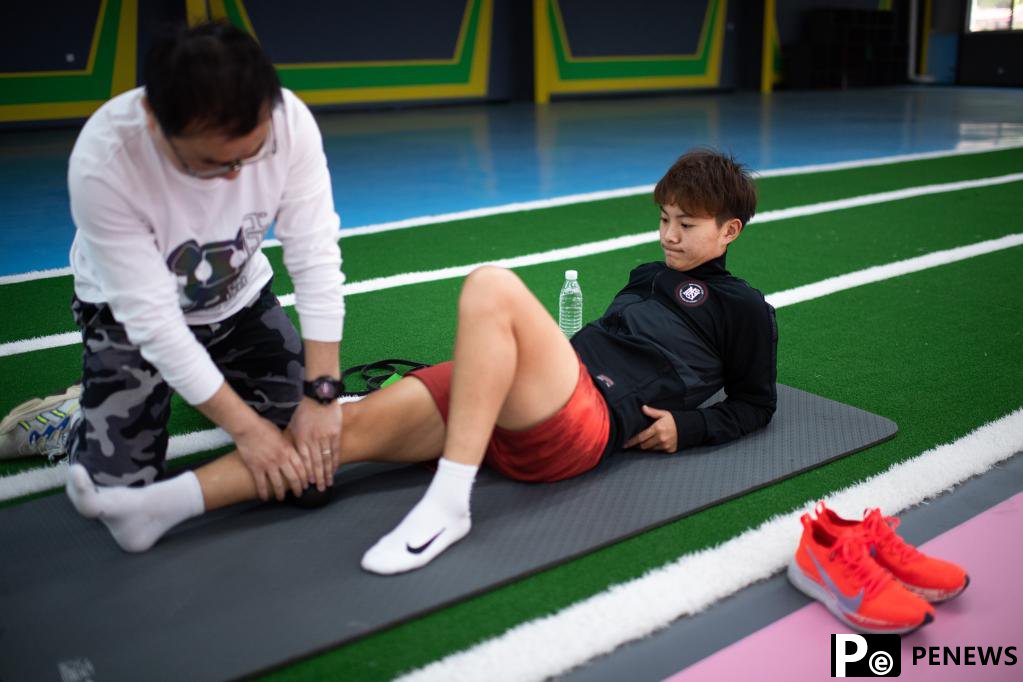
(41, 426)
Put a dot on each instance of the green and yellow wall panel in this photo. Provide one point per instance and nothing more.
(559, 71)
(60, 94)
(462, 75)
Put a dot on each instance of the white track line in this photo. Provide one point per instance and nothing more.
(581, 198)
(35, 480)
(570, 252)
(882, 272)
(40, 343)
(35, 274)
(552, 645)
(884, 160)
(884, 197)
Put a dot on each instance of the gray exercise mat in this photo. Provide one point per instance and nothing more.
(257, 586)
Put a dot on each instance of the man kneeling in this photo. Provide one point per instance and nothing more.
(527, 401)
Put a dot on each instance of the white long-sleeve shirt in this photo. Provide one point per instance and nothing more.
(165, 250)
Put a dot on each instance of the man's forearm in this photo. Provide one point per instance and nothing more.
(227, 410)
(322, 358)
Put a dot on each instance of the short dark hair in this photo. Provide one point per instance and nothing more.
(707, 182)
(210, 77)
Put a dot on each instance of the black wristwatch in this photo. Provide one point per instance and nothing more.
(323, 390)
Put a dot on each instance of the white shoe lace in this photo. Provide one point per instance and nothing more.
(57, 447)
(54, 445)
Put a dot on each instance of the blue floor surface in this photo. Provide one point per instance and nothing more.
(389, 165)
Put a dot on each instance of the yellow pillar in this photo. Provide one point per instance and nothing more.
(926, 39)
(767, 49)
(127, 45)
(196, 12)
(542, 53)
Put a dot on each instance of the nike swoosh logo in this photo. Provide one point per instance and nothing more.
(421, 548)
(848, 604)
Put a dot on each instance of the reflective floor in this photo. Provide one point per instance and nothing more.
(389, 165)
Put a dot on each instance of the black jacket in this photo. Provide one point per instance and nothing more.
(670, 340)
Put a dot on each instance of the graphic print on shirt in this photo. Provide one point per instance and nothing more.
(691, 293)
(210, 274)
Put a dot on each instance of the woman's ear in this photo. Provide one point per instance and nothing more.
(731, 230)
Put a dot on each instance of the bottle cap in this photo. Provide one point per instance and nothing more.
(571, 275)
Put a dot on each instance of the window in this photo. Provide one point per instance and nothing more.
(996, 15)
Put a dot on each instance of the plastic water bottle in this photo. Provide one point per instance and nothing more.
(570, 304)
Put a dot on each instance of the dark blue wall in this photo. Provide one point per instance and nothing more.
(315, 31)
(601, 28)
(35, 37)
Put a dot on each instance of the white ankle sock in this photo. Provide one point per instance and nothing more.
(136, 517)
(439, 520)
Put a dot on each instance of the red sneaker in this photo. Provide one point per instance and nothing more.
(839, 572)
(933, 579)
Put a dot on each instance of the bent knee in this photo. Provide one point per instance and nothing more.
(492, 277)
(489, 288)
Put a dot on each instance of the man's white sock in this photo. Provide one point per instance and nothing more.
(440, 519)
(136, 517)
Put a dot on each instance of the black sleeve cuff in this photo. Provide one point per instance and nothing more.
(690, 427)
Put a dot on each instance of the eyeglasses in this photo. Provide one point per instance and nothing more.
(266, 150)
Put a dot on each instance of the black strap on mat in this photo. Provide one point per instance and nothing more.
(374, 374)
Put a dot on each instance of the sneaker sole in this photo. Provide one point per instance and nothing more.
(812, 589)
(936, 596)
(38, 405)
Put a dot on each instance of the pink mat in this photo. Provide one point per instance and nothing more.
(989, 613)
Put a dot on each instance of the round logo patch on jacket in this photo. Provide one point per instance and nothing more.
(691, 293)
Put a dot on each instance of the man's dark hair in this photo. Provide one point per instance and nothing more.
(705, 182)
(210, 77)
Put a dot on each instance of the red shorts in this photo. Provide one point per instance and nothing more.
(567, 444)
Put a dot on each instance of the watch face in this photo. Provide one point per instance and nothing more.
(325, 390)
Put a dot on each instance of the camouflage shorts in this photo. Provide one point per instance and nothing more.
(122, 439)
